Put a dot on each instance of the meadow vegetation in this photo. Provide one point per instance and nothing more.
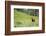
(22, 19)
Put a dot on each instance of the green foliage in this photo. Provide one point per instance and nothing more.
(22, 19)
(29, 11)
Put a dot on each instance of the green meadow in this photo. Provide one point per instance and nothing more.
(24, 20)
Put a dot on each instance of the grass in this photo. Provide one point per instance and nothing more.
(23, 20)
